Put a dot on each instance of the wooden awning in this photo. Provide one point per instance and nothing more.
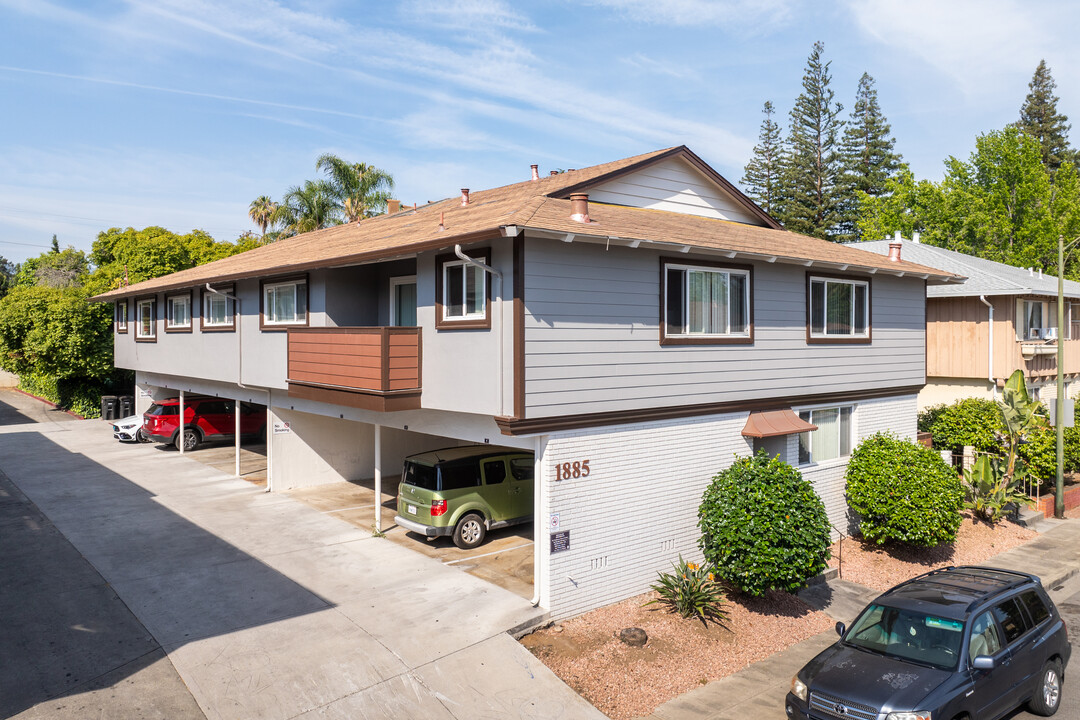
(773, 423)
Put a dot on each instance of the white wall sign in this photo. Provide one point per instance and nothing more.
(282, 428)
(554, 523)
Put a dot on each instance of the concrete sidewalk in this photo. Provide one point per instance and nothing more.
(268, 608)
(758, 691)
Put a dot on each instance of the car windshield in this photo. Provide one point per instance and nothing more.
(421, 476)
(156, 409)
(908, 635)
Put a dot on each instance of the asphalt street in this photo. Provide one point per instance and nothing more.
(1067, 598)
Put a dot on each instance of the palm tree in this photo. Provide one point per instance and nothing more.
(312, 206)
(361, 189)
(261, 211)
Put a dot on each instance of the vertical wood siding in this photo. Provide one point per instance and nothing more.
(592, 338)
(672, 185)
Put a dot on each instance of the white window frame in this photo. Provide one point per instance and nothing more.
(295, 284)
(170, 302)
(851, 434)
(394, 283)
(482, 289)
(824, 333)
(139, 305)
(1025, 328)
(207, 317)
(687, 269)
(121, 315)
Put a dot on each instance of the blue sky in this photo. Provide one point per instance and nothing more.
(180, 112)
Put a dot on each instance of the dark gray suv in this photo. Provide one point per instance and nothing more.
(961, 642)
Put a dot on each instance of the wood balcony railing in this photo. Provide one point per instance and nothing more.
(374, 368)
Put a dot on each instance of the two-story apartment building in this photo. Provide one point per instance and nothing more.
(636, 325)
(999, 320)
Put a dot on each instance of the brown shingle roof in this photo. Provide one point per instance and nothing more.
(533, 204)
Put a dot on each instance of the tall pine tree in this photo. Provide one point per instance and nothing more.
(868, 155)
(810, 180)
(762, 174)
(1040, 119)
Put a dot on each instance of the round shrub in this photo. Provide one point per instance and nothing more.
(763, 526)
(968, 422)
(904, 492)
(928, 416)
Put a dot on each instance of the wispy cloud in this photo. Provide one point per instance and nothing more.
(643, 62)
(732, 14)
(471, 15)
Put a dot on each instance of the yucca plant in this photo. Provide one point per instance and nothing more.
(692, 591)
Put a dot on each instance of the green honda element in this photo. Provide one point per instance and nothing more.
(465, 491)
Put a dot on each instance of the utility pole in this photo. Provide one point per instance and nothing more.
(1059, 416)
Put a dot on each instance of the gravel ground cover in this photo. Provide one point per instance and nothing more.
(881, 567)
(628, 682)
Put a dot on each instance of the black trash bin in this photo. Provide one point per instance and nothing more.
(127, 406)
(108, 407)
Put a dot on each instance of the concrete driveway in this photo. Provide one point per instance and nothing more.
(268, 608)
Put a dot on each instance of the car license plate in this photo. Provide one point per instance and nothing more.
(411, 509)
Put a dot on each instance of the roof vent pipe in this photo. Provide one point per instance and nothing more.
(1040, 273)
(442, 225)
(392, 206)
(464, 197)
(553, 172)
(535, 172)
(897, 236)
(915, 237)
(894, 251)
(579, 207)
(1031, 271)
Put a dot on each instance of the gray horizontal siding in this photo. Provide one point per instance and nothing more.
(592, 337)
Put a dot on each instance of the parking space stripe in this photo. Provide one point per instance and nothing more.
(496, 552)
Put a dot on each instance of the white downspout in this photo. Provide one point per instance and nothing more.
(502, 314)
(990, 352)
(538, 523)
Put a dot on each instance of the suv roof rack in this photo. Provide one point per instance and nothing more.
(987, 581)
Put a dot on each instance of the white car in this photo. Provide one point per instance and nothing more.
(130, 429)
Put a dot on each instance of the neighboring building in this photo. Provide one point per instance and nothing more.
(636, 324)
(1001, 319)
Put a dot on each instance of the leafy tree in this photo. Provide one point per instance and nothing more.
(762, 173)
(869, 157)
(311, 206)
(261, 212)
(1040, 119)
(810, 182)
(8, 271)
(361, 189)
(1002, 204)
(55, 244)
(56, 268)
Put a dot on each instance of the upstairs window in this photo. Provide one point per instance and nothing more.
(839, 310)
(831, 440)
(705, 304)
(1038, 320)
(285, 303)
(178, 313)
(145, 325)
(218, 311)
(121, 316)
(462, 292)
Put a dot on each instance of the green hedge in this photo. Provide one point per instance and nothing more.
(971, 422)
(82, 397)
(763, 526)
(903, 492)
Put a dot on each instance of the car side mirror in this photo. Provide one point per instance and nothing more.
(983, 662)
(841, 629)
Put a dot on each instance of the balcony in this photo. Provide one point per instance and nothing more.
(374, 368)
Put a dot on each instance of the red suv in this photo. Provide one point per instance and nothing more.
(205, 418)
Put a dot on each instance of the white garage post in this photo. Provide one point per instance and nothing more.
(378, 478)
(182, 428)
(269, 442)
(236, 431)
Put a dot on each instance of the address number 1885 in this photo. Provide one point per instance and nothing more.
(575, 469)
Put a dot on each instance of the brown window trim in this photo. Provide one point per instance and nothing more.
(665, 340)
(869, 311)
(282, 327)
(116, 316)
(154, 313)
(203, 327)
(191, 313)
(484, 256)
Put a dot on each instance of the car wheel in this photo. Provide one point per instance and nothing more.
(191, 440)
(1047, 696)
(140, 436)
(469, 532)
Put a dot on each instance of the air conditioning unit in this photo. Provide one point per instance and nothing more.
(1050, 333)
(1035, 334)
